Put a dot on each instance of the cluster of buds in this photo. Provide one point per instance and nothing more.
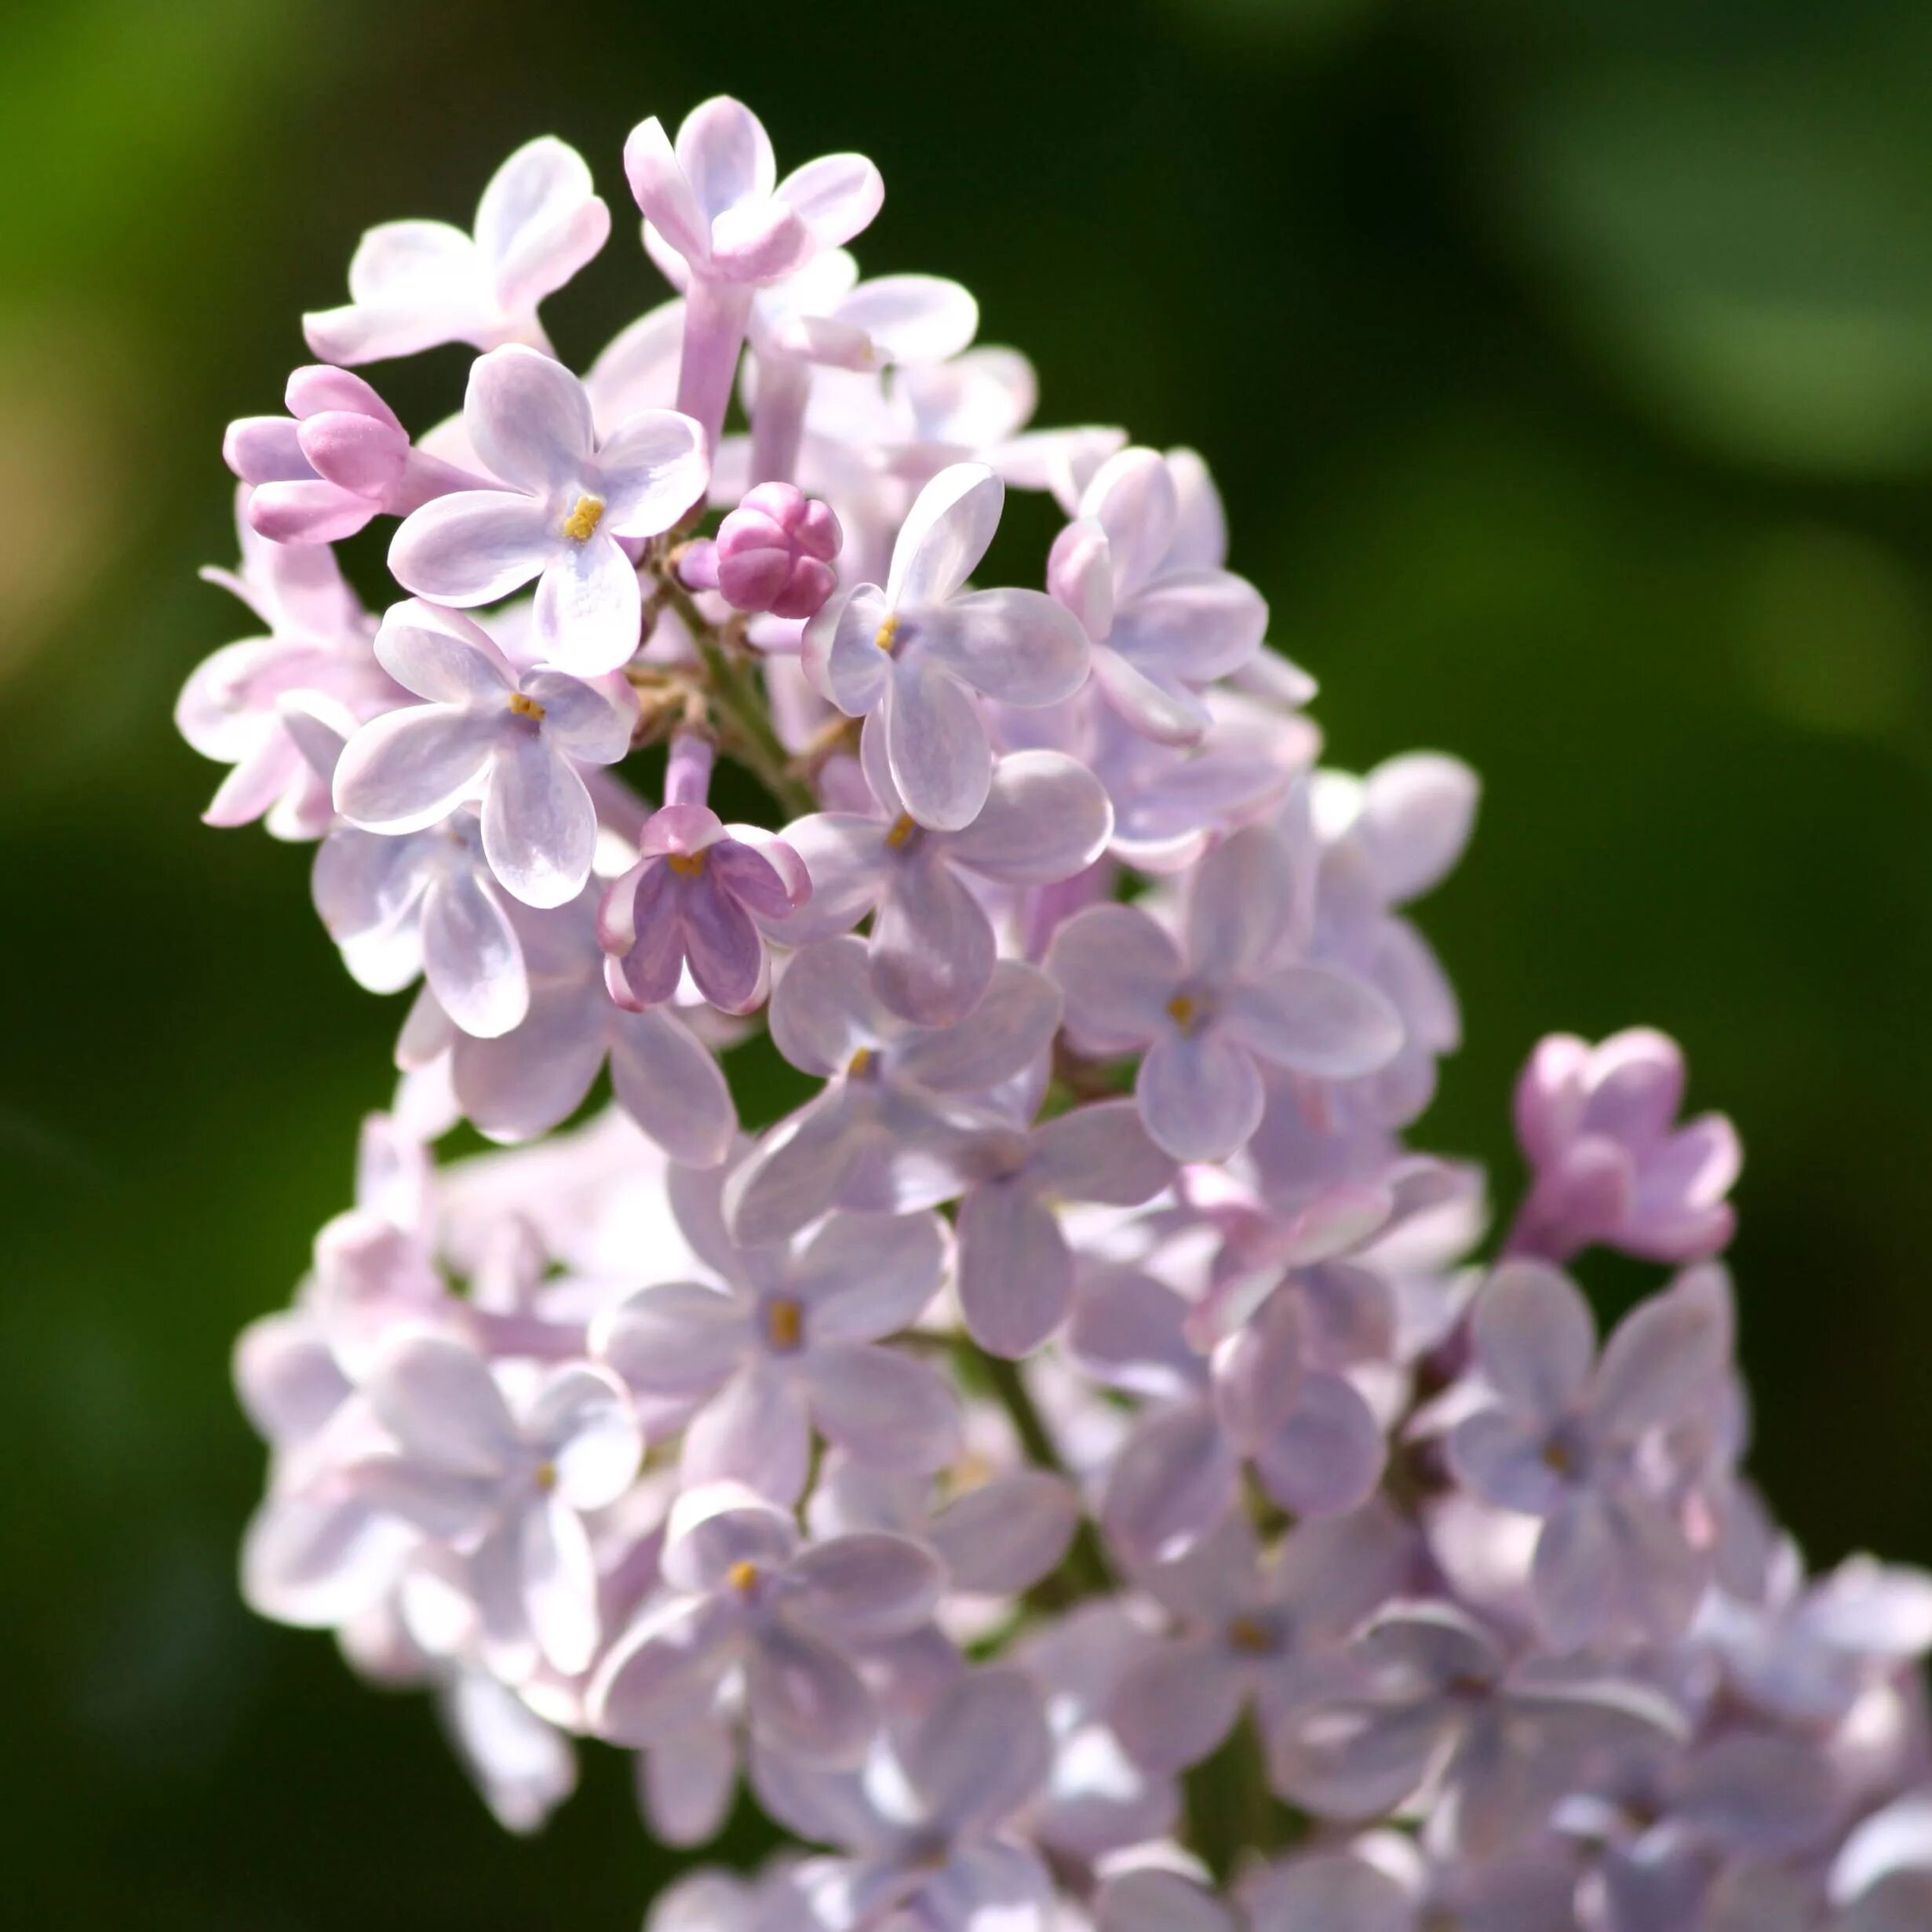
(1075, 1467)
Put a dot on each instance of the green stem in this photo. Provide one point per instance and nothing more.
(740, 704)
(1230, 1809)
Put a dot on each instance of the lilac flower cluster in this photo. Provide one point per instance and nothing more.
(1073, 1468)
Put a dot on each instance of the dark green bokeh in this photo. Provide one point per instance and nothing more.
(1567, 366)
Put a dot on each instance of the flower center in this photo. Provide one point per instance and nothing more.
(525, 707)
(581, 523)
(887, 634)
(856, 1066)
(686, 865)
(742, 1576)
(546, 1477)
(903, 829)
(785, 1323)
(1253, 1634)
(1184, 1010)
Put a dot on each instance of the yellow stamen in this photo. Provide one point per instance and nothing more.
(887, 634)
(742, 1576)
(525, 707)
(1181, 1010)
(1250, 1634)
(687, 865)
(858, 1062)
(903, 829)
(785, 1323)
(546, 1476)
(581, 522)
(1557, 1456)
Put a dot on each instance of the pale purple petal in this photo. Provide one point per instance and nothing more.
(797, 1171)
(1099, 1152)
(471, 956)
(678, 1339)
(840, 650)
(1177, 1704)
(1192, 625)
(1017, 646)
(1173, 1480)
(714, 1529)
(473, 546)
(1534, 1337)
(1327, 1456)
(539, 222)
(932, 945)
(1131, 497)
(560, 1577)
(1001, 1537)
(1015, 1271)
(1199, 1096)
(936, 740)
(944, 536)
(1662, 1361)
(982, 1752)
(669, 1083)
(582, 720)
(439, 1399)
(651, 470)
(1239, 902)
(1046, 818)
(410, 769)
(806, 1699)
(1004, 1034)
(836, 196)
(1501, 1456)
(539, 827)
(442, 656)
(866, 1276)
(659, 185)
(529, 420)
(1417, 813)
(582, 1421)
(662, 1676)
(881, 1407)
(824, 1010)
(1118, 969)
(845, 857)
(753, 1431)
(1328, 1024)
(864, 1588)
(589, 611)
(722, 947)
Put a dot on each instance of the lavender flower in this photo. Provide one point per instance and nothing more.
(415, 284)
(1207, 1437)
(568, 500)
(917, 651)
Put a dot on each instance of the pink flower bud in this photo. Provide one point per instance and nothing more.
(774, 552)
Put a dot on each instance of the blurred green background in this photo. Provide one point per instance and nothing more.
(1567, 366)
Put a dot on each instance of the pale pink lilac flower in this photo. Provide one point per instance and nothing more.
(918, 650)
(569, 503)
(339, 458)
(720, 223)
(997, 1533)
(892, 1128)
(1015, 1271)
(747, 1596)
(1426, 1696)
(790, 1342)
(415, 284)
(1140, 567)
(1206, 1011)
(318, 644)
(1246, 1626)
(824, 317)
(932, 942)
(1315, 1445)
(1096, 1800)
(923, 1826)
(530, 1079)
(1610, 1164)
(775, 552)
(703, 896)
(514, 743)
(1881, 1880)
(1570, 1437)
(506, 1488)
